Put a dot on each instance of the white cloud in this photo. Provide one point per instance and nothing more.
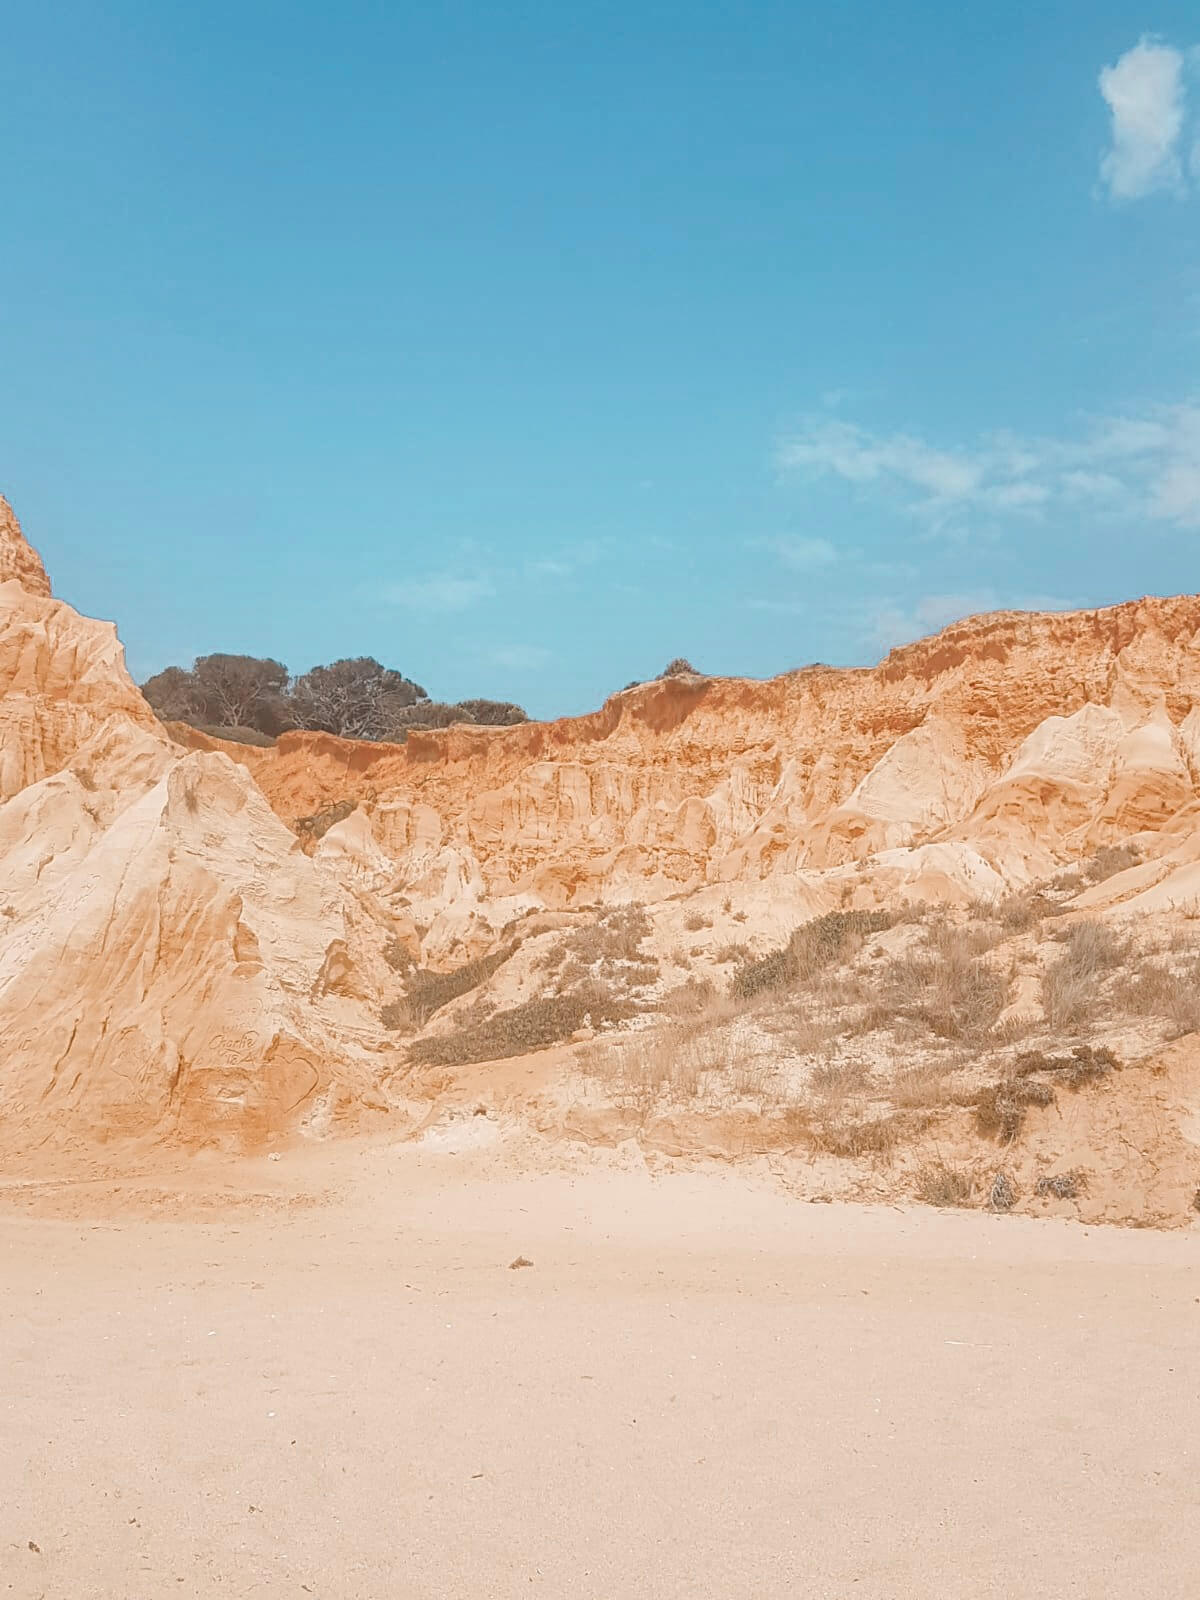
(861, 457)
(1079, 484)
(521, 657)
(1145, 94)
(806, 555)
(1147, 464)
(440, 592)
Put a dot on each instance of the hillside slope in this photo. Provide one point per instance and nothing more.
(862, 920)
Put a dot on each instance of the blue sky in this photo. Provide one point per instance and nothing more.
(528, 346)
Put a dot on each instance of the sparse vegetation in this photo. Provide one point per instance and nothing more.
(1061, 1185)
(1156, 989)
(1111, 859)
(1000, 1107)
(319, 824)
(679, 668)
(941, 985)
(812, 949)
(426, 992)
(938, 1184)
(535, 1025)
(398, 956)
(1070, 983)
(1003, 1194)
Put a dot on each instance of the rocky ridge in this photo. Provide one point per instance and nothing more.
(200, 941)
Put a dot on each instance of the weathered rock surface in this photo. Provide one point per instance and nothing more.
(171, 962)
(987, 756)
(178, 960)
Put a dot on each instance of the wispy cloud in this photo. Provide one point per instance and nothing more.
(805, 555)
(439, 592)
(564, 563)
(521, 657)
(886, 623)
(1146, 463)
(1146, 96)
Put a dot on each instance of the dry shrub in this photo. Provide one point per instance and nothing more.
(681, 1061)
(1154, 989)
(855, 1138)
(1003, 1194)
(812, 949)
(1000, 1108)
(427, 992)
(690, 999)
(838, 1078)
(954, 994)
(732, 954)
(1111, 859)
(535, 1025)
(1085, 1064)
(695, 922)
(1070, 984)
(938, 1184)
(614, 937)
(1062, 1185)
(319, 824)
(397, 955)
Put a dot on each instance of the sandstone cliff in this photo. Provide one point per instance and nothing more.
(205, 942)
(982, 758)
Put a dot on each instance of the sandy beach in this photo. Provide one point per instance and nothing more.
(329, 1380)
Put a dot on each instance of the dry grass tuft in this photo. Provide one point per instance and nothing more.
(812, 949)
(397, 955)
(695, 922)
(1111, 859)
(691, 999)
(1070, 983)
(954, 994)
(1154, 989)
(938, 1184)
(1003, 1194)
(682, 1061)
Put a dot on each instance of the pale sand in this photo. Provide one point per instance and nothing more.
(701, 1387)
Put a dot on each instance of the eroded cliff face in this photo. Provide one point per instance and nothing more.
(171, 962)
(19, 561)
(180, 960)
(980, 758)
